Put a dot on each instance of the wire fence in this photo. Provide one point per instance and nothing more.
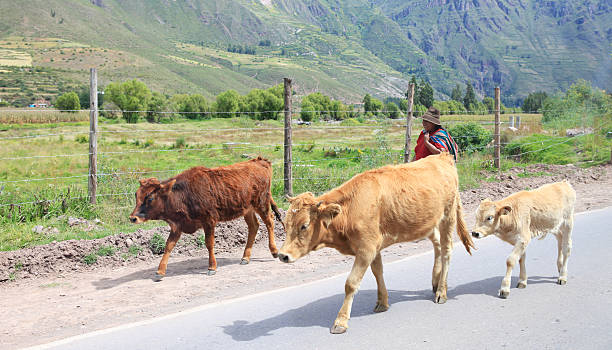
(47, 171)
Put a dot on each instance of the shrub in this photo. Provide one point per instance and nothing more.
(157, 244)
(201, 241)
(470, 137)
(106, 250)
(90, 259)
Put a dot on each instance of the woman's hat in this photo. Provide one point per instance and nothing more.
(432, 115)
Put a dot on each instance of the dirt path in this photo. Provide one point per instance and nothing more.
(56, 296)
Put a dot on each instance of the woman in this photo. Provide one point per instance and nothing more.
(433, 138)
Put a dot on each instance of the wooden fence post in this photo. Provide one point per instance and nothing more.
(410, 96)
(287, 173)
(93, 136)
(496, 135)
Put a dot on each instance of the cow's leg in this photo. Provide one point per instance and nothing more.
(209, 231)
(382, 303)
(435, 275)
(253, 225)
(517, 251)
(522, 283)
(446, 243)
(174, 236)
(363, 259)
(268, 218)
(559, 238)
(566, 230)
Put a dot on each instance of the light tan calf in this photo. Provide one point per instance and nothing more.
(375, 209)
(524, 215)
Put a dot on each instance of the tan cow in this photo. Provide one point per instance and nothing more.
(524, 215)
(375, 209)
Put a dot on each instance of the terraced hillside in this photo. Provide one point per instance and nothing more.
(344, 48)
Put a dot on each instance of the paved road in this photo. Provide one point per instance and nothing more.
(542, 316)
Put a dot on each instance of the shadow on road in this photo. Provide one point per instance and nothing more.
(320, 313)
(196, 266)
(323, 312)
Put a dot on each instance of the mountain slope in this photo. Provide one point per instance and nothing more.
(344, 48)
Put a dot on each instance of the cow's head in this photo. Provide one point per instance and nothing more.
(488, 217)
(306, 223)
(150, 199)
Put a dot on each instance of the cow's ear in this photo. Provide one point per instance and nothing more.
(328, 212)
(150, 181)
(505, 210)
(168, 185)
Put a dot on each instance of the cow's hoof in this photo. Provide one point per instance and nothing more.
(244, 261)
(503, 293)
(211, 272)
(440, 299)
(158, 277)
(336, 329)
(381, 307)
(562, 281)
(434, 289)
(521, 285)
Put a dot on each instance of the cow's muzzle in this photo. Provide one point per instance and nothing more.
(284, 258)
(136, 219)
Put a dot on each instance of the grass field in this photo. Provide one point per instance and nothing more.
(44, 162)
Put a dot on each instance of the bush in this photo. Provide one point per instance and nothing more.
(470, 137)
(157, 244)
(90, 259)
(68, 102)
(106, 250)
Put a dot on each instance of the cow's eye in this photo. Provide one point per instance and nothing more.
(305, 226)
(489, 218)
(150, 199)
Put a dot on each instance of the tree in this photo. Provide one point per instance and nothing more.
(534, 101)
(457, 94)
(132, 97)
(227, 103)
(68, 102)
(470, 97)
(425, 94)
(193, 106)
(393, 110)
(367, 103)
(84, 97)
(489, 104)
(157, 105)
(307, 112)
(337, 110)
(376, 106)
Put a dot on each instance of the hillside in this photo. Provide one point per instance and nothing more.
(344, 48)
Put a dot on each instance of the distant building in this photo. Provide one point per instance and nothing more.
(40, 103)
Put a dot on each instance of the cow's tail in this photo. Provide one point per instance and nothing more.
(275, 210)
(462, 231)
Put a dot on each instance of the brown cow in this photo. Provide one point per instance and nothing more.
(200, 197)
(375, 209)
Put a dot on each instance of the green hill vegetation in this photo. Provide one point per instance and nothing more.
(343, 48)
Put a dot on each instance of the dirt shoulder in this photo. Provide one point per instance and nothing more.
(54, 294)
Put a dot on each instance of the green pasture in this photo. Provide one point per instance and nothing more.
(325, 155)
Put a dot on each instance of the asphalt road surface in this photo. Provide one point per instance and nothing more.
(542, 316)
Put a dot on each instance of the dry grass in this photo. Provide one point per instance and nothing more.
(37, 116)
